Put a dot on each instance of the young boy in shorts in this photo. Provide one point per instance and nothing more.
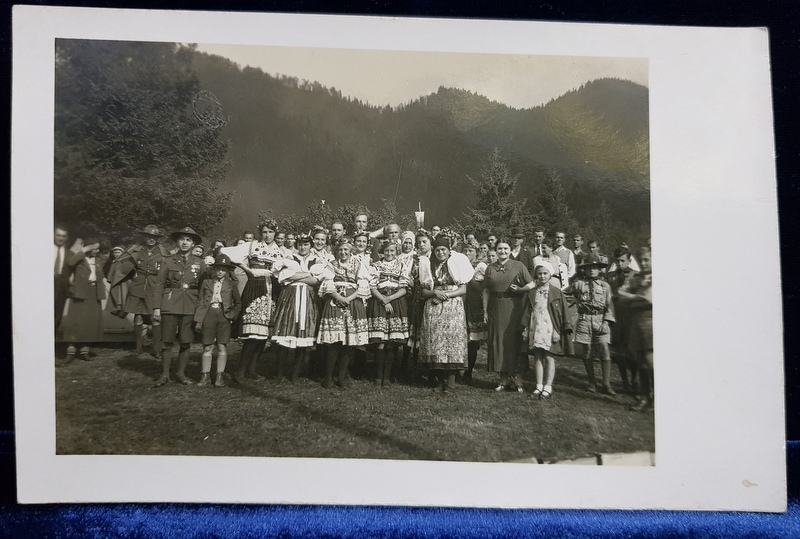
(595, 312)
(219, 306)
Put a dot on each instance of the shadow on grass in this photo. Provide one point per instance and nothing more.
(413, 451)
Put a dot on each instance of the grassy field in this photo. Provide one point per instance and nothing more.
(107, 406)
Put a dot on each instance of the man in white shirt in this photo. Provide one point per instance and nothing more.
(60, 271)
(566, 256)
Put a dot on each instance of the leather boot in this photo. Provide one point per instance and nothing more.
(605, 367)
(592, 382)
(205, 380)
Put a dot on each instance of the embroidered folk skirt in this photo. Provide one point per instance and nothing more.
(347, 325)
(296, 317)
(257, 309)
(443, 334)
(473, 305)
(386, 327)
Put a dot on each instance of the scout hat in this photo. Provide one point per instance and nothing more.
(516, 232)
(592, 260)
(150, 230)
(224, 261)
(186, 231)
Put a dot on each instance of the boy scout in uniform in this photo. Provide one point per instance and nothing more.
(175, 301)
(595, 312)
(144, 260)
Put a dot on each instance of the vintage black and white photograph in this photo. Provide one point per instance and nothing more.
(319, 259)
(283, 252)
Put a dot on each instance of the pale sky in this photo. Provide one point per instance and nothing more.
(394, 77)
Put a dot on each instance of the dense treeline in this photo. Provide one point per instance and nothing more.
(297, 141)
(131, 150)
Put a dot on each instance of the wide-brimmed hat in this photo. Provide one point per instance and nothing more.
(186, 231)
(592, 260)
(517, 232)
(224, 260)
(150, 230)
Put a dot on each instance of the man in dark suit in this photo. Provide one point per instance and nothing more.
(60, 272)
(519, 252)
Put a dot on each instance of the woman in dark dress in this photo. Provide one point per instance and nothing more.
(506, 282)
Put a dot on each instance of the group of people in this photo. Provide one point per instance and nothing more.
(424, 301)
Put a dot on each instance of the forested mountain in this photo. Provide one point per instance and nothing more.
(294, 141)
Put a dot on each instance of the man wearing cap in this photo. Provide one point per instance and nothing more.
(141, 263)
(175, 301)
(519, 252)
(595, 312)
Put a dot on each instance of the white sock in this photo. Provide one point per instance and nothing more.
(549, 389)
(539, 387)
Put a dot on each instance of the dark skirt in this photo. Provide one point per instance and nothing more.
(296, 317)
(505, 333)
(473, 305)
(257, 309)
(347, 325)
(84, 321)
(384, 327)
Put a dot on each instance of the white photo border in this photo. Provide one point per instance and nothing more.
(720, 412)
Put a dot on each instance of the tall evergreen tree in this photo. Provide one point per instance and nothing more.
(497, 208)
(136, 142)
(604, 228)
(554, 213)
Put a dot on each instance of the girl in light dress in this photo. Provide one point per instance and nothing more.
(388, 310)
(343, 325)
(547, 324)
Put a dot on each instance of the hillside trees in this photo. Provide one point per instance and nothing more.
(132, 145)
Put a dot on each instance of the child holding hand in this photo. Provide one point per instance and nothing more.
(548, 325)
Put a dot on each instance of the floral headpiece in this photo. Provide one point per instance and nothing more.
(269, 223)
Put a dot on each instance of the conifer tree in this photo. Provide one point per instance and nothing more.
(554, 213)
(497, 208)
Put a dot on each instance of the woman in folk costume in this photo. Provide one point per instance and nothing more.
(296, 314)
(343, 324)
(83, 323)
(406, 253)
(388, 310)
(264, 257)
(443, 332)
(548, 325)
(319, 248)
(473, 305)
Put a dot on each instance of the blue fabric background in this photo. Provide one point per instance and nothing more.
(206, 520)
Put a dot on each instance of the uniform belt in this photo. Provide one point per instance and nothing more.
(184, 287)
(92, 283)
(216, 304)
